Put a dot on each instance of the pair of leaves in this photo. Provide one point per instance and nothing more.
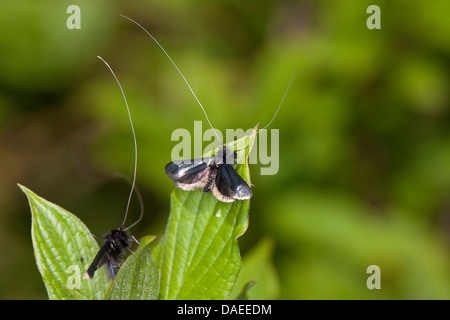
(198, 257)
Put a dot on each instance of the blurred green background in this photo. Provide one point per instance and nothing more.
(364, 173)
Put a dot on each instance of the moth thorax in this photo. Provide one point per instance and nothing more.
(119, 242)
(225, 156)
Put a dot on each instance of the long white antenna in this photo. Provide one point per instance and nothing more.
(141, 204)
(135, 144)
(179, 71)
(139, 196)
(281, 102)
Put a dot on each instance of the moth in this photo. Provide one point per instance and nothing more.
(212, 173)
(215, 174)
(118, 241)
(115, 245)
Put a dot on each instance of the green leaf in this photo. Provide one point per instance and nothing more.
(199, 257)
(146, 240)
(63, 248)
(258, 279)
(137, 279)
(74, 294)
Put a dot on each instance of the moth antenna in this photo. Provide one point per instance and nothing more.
(139, 196)
(281, 102)
(141, 215)
(134, 139)
(179, 71)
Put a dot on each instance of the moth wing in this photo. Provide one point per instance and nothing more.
(111, 264)
(189, 174)
(100, 259)
(230, 186)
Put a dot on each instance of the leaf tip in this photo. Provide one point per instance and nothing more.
(23, 188)
(28, 193)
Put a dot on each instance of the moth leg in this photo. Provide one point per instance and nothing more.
(111, 269)
(135, 240)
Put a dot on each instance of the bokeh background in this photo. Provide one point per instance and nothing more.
(364, 173)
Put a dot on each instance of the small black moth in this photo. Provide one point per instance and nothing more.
(211, 174)
(118, 241)
(214, 174)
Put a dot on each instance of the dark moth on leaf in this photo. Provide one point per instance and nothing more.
(117, 242)
(215, 174)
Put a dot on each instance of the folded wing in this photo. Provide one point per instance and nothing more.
(189, 174)
(230, 186)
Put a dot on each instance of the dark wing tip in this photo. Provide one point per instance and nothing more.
(243, 192)
(230, 185)
(171, 169)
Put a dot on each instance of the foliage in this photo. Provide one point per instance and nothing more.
(364, 174)
(63, 246)
(198, 257)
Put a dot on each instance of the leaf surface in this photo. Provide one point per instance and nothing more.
(137, 279)
(63, 248)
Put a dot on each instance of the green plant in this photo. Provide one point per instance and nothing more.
(197, 258)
